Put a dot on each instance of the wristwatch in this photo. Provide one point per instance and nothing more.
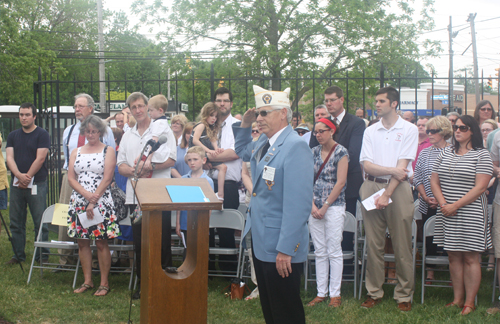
(327, 203)
(153, 165)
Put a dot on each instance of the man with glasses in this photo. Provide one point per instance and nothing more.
(350, 136)
(84, 107)
(389, 147)
(223, 99)
(158, 166)
(282, 169)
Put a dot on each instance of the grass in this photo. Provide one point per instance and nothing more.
(51, 300)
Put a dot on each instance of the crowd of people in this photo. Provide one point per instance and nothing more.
(300, 180)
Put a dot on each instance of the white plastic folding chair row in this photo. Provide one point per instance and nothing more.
(39, 244)
(350, 225)
(231, 219)
(390, 257)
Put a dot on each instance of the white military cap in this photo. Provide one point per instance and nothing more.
(265, 97)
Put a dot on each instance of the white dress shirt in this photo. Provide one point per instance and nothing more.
(131, 146)
(227, 142)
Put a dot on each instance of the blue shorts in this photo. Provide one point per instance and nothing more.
(3, 199)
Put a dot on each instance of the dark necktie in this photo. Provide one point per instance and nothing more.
(264, 150)
(335, 120)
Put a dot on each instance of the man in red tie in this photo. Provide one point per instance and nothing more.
(84, 107)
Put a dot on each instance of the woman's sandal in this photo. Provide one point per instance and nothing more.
(472, 308)
(102, 288)
(453, 304)
(85, 287)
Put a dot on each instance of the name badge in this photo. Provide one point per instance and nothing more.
(268, 173)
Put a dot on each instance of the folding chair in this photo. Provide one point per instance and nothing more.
(495, 282)
(389, 257)
(350, 225)
(39, 244)
(232, 219)
(177, 246)
(431, 259)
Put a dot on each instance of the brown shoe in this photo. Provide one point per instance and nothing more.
(316, 300)
(12, 261)
(335, 301)
(370, 302)
(404, 306)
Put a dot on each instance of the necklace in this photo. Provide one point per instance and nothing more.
(456, 162)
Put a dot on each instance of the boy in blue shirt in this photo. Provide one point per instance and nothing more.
(195, 158)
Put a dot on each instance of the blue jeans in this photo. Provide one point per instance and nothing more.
(19, 200)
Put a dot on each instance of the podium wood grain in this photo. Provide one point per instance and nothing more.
(174, 297)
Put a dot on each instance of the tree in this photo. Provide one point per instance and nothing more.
(20, 57)
(279, 36)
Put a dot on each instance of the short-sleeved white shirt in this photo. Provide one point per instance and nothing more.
(227, 142)
(131, 146)
(385, 147)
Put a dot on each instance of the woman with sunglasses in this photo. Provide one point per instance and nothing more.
(438, 130)
(484, 110)
(459, 180)
(326, 222)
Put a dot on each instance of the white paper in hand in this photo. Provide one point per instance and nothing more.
(86, 223)
(369, 203)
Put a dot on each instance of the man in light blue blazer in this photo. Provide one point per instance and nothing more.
(282, 175)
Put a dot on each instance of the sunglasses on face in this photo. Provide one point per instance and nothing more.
(264, 113)
(433, 131)
(301, 132)
(255, 131)
(462, 128)
(485, 109)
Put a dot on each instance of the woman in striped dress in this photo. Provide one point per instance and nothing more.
(439, 131)
(459, 180)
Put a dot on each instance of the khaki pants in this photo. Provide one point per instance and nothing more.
(64, 197)
(398, 217)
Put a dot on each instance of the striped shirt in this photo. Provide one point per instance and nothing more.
(423, 171)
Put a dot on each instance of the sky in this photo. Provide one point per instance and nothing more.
(487, 33)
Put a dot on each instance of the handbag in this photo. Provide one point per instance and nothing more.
(118, 196)
(238, 288)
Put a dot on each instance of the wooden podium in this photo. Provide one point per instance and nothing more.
(174, 297)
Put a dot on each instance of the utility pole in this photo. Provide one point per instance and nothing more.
(474, 53)
(450, 76)
(102, 73)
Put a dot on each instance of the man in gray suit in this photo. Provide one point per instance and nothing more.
(282, 175)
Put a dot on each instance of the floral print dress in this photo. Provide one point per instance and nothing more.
(90, 171)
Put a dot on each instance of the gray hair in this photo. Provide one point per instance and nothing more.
(453, 113)
(134, 96)
(289, 112)
(320, 107)
(90, 100)
(94, 121)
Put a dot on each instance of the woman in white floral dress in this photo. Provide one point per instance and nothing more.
(90, 171)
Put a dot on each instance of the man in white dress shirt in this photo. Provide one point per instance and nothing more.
(223, 99)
